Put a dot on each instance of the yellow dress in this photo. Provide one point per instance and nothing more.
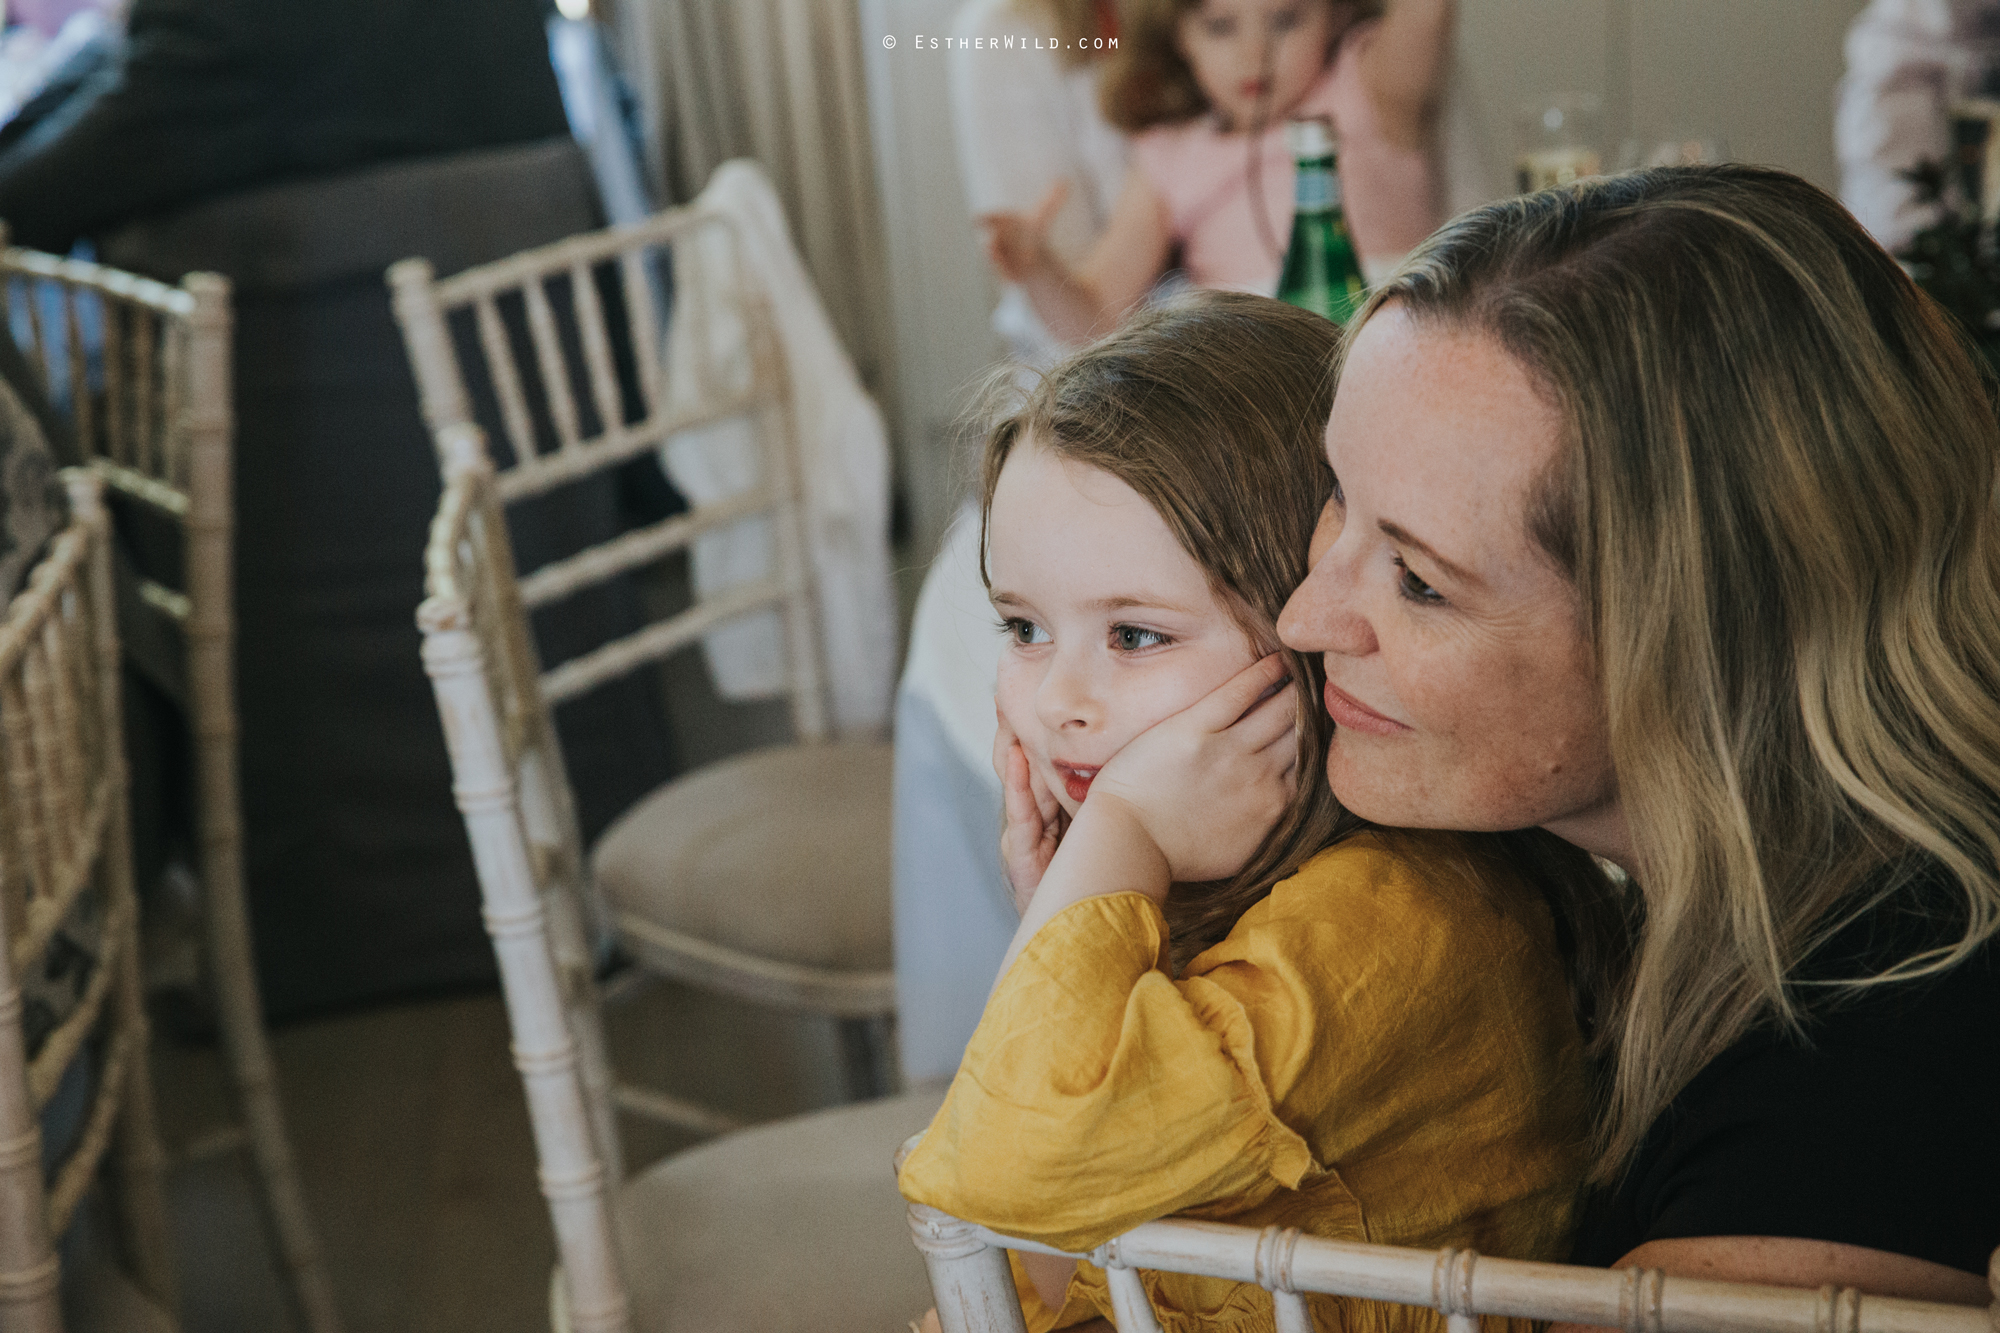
(1382, 1050)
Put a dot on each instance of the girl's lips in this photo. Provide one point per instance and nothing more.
(1351, 713)
(1076, 781)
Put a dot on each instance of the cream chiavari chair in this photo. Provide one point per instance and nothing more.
(141, 372)
(975, 1292)
(65, 850)
(764, 876)
(788, 1227)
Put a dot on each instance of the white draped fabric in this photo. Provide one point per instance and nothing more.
(780, 81)
(843, 461)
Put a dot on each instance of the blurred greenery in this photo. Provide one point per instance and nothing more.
(1957, 260)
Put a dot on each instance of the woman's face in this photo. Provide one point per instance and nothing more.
(1111, 626)
(1226, 42)
(1462, 691)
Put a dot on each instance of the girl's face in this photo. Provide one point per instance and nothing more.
(1463, 693)
(1111, 626)
(1226, 43)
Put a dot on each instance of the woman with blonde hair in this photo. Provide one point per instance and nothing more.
(1665, 520)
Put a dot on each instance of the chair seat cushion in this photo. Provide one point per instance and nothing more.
(791, 1227)
(780, 853)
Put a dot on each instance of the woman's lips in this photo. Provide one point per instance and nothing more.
(1351, 713)
(1076, 781)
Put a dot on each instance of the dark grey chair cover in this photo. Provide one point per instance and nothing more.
(360, 878)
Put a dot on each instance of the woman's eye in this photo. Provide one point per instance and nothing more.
(1415, 588)
(1218, 29)
(1024, 632)
(1339, 496)
(1130, 638)
(1286, 20)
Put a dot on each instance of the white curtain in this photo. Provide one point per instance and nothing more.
(780, 81)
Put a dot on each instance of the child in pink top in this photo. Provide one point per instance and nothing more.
(1206, 87)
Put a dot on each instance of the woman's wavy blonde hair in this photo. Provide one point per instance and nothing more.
(1776, 496)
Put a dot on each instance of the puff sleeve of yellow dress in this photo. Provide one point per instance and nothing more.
(1381, 1050)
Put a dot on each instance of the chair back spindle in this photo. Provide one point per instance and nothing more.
(975, 1290)
(549, 347)
(66, 856)
(141, 374)
(531, 929)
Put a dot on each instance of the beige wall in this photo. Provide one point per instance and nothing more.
(941, 295)
(1759, 73)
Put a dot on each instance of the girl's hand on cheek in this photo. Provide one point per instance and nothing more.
(1188, 800)
(1035, 820)
(1209, 782)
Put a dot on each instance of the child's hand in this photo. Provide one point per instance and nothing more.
(1188, 799)
(1209, 782)
(1017, 245)
(1035, 819)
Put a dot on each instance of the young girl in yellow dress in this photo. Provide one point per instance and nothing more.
(1229, 999)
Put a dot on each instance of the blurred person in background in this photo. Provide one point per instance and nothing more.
(1047, 167)
(47, 45)
(201, 97)
(1027, 119)
(1908, 63)
(1204, 87)
(299, 148)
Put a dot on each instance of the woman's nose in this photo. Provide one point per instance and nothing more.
(1322, 615)
(1068, 698)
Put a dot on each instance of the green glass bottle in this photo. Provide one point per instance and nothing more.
(1322, 272)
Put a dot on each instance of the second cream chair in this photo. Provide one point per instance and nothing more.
(764, 876)
(792, 1227)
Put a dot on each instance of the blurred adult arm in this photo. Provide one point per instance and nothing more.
(1781, 1262)
(1406, 64)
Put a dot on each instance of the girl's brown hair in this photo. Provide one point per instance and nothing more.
(1147, 81)
(1777, 498)
(1212, 408)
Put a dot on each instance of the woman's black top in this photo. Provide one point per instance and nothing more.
(1881, 1129)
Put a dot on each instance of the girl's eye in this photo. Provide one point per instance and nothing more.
(1286, 20)
(1130, 638)
(1218, 28)
(1339, 496)
(1414, 588)
(1024, 632)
